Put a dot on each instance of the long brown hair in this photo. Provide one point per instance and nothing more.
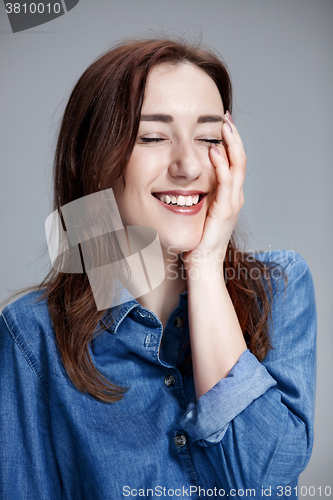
(96, 138)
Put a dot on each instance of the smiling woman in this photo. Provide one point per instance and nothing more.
(205, 385)
(170, 161)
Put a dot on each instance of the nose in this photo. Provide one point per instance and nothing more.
(185, 162)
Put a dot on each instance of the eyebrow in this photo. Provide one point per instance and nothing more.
(169, 118)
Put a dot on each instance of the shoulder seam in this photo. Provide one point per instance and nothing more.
(24, 353)
(295, 261)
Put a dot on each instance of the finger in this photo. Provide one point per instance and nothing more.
(236, 154)
(229, 118)
(224, 179)
(235, 149)
(229, 197)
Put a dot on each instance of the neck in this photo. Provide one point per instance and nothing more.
(164, 298)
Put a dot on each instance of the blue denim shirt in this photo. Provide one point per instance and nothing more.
(252, 431)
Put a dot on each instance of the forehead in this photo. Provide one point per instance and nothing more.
(182, 84)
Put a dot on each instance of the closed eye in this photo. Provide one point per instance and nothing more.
(151, 139)
(212, 141)
(147, 140)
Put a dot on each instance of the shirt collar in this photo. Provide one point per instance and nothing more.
(113, 317)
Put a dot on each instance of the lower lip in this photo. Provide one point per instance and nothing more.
(183, 210)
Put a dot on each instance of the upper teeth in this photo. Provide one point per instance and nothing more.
(179, 200)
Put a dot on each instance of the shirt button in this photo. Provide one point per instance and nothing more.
(178, 322)
(180, 440)
(169, 380)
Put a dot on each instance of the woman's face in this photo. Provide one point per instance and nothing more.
(181, 115)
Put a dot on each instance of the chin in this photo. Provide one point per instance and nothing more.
(172, 248)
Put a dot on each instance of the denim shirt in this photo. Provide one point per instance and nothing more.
(251, 435)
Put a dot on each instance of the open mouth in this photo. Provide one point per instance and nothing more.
(180, 200)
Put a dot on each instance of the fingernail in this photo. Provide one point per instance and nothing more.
(228, 125)
(229, 117)
(215, 149)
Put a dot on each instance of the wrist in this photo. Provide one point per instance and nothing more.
(208, 272)
(206, 261)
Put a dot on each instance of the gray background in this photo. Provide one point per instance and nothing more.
(280, 57)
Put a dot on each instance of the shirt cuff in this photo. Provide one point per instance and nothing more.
(207, 420)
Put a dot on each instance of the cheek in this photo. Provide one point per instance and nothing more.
(143, 168)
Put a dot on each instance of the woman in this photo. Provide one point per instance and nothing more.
(202, 387)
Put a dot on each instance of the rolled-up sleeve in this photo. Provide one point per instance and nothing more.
(208, 420)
